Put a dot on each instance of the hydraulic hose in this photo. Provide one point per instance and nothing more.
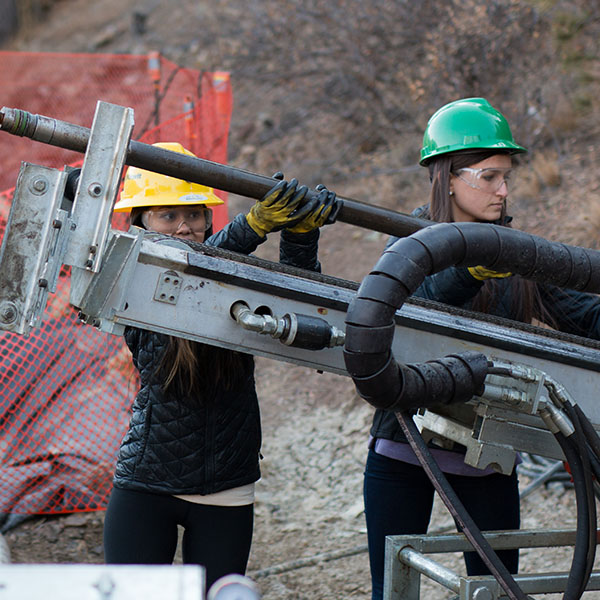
(379, 379)
(385, 384)
(593, 445)
(590, 433)
(293, 329)
(583, 449)
(579, 442)
(577, 581)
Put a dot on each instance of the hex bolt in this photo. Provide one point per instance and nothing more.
(93, 249)
(8, 313)
(56, 224)
(39, 185)
(89, 263)
(43, 283)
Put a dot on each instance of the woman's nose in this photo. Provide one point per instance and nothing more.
(183, 227)
(503, 189)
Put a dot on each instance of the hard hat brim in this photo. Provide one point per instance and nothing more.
(166, 199)
(508, 147)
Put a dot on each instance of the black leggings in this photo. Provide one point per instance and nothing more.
(141, 528)
(399, 500)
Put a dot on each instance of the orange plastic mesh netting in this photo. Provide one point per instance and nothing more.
(66, 389)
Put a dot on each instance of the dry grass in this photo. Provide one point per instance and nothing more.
(542, 172)
(546, 167)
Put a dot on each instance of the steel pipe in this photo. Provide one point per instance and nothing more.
(430, 568)
(222, 177)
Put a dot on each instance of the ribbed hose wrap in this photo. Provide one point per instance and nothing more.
(378, 377)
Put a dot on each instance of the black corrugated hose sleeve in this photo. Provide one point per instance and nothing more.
(400, 270)
(457, 510)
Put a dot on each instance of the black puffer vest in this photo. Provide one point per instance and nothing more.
(187, 446)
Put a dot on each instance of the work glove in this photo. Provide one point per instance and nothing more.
(281, 207)
(482, 273)
(326, 202)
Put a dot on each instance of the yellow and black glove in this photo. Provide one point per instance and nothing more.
(482, 273)
(326, 202)
(281, 207)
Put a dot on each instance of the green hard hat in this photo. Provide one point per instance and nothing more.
(469, 123)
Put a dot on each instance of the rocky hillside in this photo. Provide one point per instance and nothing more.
(339, 91)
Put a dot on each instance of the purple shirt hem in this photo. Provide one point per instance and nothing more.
(448, 461)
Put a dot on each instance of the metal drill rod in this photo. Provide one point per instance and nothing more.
(198, 170)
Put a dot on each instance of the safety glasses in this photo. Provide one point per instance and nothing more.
(488, 180)
(170, 219)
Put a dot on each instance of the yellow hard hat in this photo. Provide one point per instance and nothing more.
(146, 188)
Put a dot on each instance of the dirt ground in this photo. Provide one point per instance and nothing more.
(319, 94)
(310, 537)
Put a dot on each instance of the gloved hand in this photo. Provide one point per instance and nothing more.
(281, 207)
(326, 202)
(482, 273)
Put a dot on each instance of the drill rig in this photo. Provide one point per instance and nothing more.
(500, 387)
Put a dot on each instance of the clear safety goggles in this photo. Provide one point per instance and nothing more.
(170, 219)
(488, 180)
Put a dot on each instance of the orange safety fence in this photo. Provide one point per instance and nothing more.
(66, 388)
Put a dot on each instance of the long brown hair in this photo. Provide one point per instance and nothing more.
(192, 369)
(526, 302)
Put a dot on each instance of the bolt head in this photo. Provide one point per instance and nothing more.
(39, 185)
(8, 313)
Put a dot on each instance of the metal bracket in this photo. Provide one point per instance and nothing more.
(168, 287)
(31, 254)
(105, 294)
(96, 193)
(495, 426)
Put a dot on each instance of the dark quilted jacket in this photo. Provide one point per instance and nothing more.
(573, 312)
(201, 445)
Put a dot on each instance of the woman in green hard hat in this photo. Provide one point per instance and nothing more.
(469, 150)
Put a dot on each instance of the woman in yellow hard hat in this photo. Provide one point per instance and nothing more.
(168, 205)
(469, 151)
(191, 455)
